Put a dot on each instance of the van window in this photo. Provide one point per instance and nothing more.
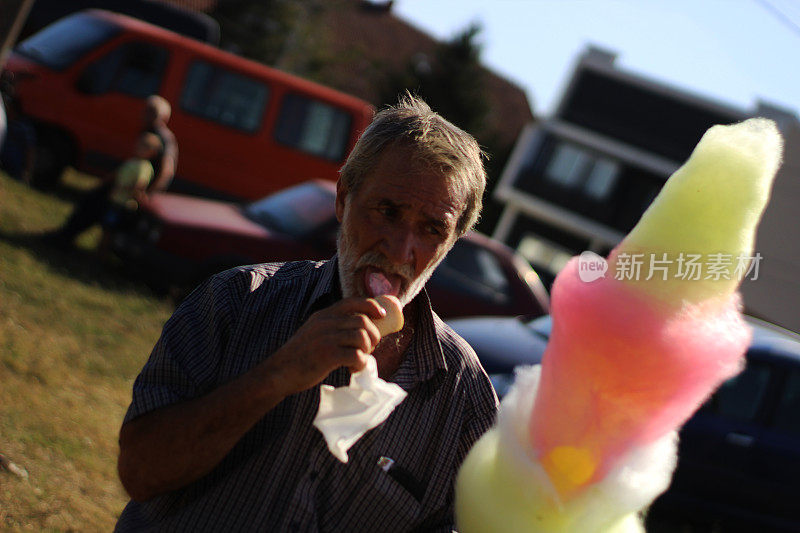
(133, 68)
(313, 127)
(225, 97)
(60, 44)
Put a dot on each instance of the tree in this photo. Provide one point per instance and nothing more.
(258, 29)
(452, 81)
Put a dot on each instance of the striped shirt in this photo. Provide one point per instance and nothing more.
(281, 476)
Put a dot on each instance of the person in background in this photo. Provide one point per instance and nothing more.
(121, 195)
(131, 180)
(94, 205)
(157, 112)
(219, 434)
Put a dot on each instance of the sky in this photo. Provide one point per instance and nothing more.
(736, 52)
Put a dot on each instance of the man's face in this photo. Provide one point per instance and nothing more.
(396, 228)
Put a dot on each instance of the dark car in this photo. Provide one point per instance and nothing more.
(739, 455)
(180, 240)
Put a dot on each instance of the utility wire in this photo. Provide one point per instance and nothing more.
(780, 15)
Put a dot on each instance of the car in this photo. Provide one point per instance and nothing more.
(244, 129)
(180, 240)
(739, 454)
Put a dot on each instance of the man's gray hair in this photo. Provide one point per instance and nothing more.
(435, 144)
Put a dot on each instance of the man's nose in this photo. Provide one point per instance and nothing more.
(399, 247)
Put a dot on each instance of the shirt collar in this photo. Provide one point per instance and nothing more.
(326, 291)
(424, 359)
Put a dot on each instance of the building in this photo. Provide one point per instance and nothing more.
(581, 179)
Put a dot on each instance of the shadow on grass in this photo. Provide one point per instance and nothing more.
(84, 265)
(71, 187)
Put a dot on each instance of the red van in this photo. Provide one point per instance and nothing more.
(244, 129)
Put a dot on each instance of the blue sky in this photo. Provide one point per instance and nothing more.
(733, 51)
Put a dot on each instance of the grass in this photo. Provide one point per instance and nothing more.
(74, 332)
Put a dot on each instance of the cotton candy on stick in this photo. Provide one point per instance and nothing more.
(629, 360)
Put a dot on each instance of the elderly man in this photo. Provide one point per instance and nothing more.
(219, 435)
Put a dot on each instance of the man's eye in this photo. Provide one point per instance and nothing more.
(388, 212)
(434, 230)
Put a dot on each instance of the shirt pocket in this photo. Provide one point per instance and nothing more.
(380, 503)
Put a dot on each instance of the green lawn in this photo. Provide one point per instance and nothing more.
(74, 331)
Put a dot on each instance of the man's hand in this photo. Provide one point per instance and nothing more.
(340, 335)
(175, 445)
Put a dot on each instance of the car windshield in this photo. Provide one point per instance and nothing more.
(64, 42)
(296, 211)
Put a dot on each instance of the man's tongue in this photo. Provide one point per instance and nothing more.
(377, 283)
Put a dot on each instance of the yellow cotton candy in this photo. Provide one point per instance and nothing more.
(493, 495)
(569, 467)
(502, 487)
(710, 207)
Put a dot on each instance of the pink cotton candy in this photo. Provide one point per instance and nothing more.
(621, 370)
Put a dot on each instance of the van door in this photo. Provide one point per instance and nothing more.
(113, 89)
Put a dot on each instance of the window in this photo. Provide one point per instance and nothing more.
(64, 42)
(313, 127)
(225, 97)
(567, 165)
(787, 418)
(476, 271)
(574, 168)
(740, 397)
(134, 68)
(601, 179)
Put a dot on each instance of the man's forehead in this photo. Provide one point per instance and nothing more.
(435, 201)
(401, 166)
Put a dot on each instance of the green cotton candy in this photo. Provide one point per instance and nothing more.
(710, 207)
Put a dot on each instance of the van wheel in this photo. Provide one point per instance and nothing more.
(53, 154)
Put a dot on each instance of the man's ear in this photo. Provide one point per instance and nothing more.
(341, 198)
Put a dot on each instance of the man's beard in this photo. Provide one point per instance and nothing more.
(349, 265)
